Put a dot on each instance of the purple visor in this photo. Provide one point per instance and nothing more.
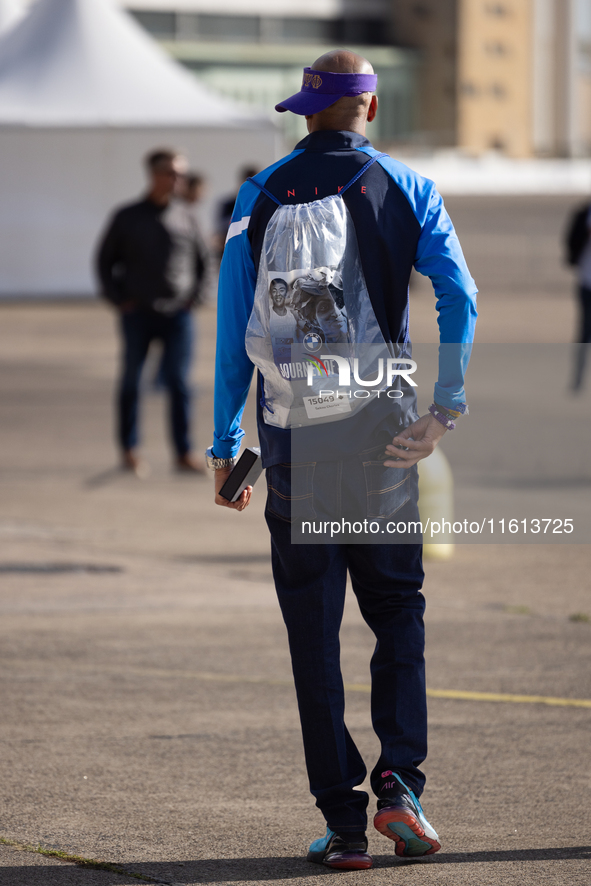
(320, 89)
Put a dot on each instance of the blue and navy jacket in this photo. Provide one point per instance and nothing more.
(400, 222)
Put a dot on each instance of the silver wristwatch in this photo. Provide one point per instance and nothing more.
(215, 464)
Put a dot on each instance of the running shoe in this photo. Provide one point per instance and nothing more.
(401, 818)
(336, 853)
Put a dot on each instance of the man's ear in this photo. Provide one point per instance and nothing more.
(373, 109)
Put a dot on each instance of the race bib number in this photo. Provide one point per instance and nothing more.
(327, 404)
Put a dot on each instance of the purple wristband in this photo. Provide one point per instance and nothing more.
(441, 418)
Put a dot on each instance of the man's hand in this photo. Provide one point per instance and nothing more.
(420, 438)
(221, 475)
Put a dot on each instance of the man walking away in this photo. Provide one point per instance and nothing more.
(399, 221)
(578, 244)
(152, 264)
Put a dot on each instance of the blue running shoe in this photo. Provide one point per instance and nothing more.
(401, 818)
(338, 854)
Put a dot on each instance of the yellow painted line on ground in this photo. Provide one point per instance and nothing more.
(514, 699)
(207, 677)
(462, 695)
(454, 694)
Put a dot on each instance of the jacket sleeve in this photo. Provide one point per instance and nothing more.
(439, 256)
(577, 236)
(233, 368)
(108, 258)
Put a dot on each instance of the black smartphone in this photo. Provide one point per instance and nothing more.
(245, 472)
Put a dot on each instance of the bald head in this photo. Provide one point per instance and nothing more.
(352, 112)
(342, 61)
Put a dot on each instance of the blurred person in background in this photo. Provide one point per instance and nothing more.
(191, 190)
(225, 211)
(194, 188)
(578, 246)
(151, 263)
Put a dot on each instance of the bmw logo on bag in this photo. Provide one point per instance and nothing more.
(312, 341)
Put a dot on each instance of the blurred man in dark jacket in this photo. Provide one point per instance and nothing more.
(152, 263)
(578, 246)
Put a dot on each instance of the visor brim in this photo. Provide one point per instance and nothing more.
(305, 104)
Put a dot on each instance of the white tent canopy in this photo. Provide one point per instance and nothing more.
(85, 62)
(10, 12)
(84, 93)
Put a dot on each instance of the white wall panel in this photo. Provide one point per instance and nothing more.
(58, 187)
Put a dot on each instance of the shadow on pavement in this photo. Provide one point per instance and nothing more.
(66, 875)
(105, 477)
(224, 870)
(566, 853)
(57, 568)
(227, 558)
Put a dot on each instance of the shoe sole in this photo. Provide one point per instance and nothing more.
(342, 862)
(405, 829)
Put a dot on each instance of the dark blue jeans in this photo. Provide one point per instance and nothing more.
(584, 337)
(387, 581)
(139, 329)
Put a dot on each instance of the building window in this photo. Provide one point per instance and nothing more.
(187, 26)
(228, 27)
(302, 30)
(367, 31)
(268, 29)
(470, 90)
(161, 25)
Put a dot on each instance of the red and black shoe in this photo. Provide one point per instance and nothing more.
(339, 854)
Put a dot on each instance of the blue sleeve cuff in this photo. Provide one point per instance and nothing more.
(228, 448)
(453, 362)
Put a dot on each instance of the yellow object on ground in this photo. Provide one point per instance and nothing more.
(436, 504)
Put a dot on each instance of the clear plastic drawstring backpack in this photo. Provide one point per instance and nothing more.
(312, 328)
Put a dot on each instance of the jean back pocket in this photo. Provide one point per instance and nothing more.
(388, 489)
(290, 491)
